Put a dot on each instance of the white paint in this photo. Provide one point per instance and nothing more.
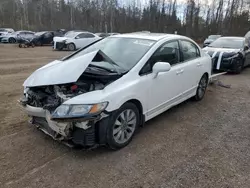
(156, 94)
(219, 61)
(176, 87)
(60, 72)
(78, 42)
(214, 54)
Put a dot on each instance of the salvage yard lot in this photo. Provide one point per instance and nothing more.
(196, 144)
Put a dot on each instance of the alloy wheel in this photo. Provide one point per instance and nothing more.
(124, 126)
(202, 87)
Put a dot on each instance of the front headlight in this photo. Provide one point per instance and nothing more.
(78, 110)
(232, 57)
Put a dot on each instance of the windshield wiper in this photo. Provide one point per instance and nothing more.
(100, 67)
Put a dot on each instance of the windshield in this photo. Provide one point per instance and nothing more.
(213, 37)
(125, 52)
(234, 43)
(39, 33)
(70, 34)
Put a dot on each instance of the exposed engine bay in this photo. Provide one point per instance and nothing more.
(52, 96)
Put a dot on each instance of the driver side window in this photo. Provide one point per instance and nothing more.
(168, 52)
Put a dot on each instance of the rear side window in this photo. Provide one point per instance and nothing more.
(86, 35)
(189, 50)
(48, 34)
(89, 35)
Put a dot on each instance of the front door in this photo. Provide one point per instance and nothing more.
(165, 89)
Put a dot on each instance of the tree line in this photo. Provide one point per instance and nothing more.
(194, 18)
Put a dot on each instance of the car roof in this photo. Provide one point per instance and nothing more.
(80, 32)
(148, 36)
(229, 37)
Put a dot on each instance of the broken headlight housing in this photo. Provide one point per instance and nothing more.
(78, 110)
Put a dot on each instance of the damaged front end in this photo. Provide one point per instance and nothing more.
(74, 124)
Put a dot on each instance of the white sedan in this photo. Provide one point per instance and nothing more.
(100, 95)
(74, 40)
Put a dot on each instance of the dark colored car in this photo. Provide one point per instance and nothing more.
(43, 38)
(229, 54)
(22, 36)
(59, 32)
(210, 39)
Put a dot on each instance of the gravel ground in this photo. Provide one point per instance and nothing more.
(196, 144)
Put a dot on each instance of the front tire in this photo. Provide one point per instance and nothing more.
(71, 47)
(202, 87)
(123, 124)
(12, 40)
(240, 67)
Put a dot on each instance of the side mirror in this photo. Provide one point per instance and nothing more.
(246, 48)
(161, 67)
(77, 37)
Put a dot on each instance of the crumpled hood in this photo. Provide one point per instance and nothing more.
(60, 39)
(60, 72)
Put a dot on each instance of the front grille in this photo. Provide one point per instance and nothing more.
(60, 45)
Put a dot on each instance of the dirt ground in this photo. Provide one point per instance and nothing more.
(196, 144)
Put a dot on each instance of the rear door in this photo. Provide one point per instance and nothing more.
(247, 52)
(193, 66)
(47, 37)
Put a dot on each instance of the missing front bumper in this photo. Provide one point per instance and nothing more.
(75, 132)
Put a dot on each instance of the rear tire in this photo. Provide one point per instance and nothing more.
(39, 43)
(201, 89)
(71, 47)
(122, 126)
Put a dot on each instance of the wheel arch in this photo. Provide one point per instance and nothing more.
(11, 38)
(139, 106)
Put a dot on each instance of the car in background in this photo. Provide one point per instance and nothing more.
(65, 35)
(210, 39)
(4, 32)
(247, 37)
(73, 31)
(59, 32)
(13, 37)
(74, 40)
(103, 35)
(43, 38)
(100, 96)
(111, 34)
(230, 54)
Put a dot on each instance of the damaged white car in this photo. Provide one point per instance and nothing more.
(101, 94)
(74, 40)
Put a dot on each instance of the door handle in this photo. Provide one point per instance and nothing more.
(199, 64)
(179, 71)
